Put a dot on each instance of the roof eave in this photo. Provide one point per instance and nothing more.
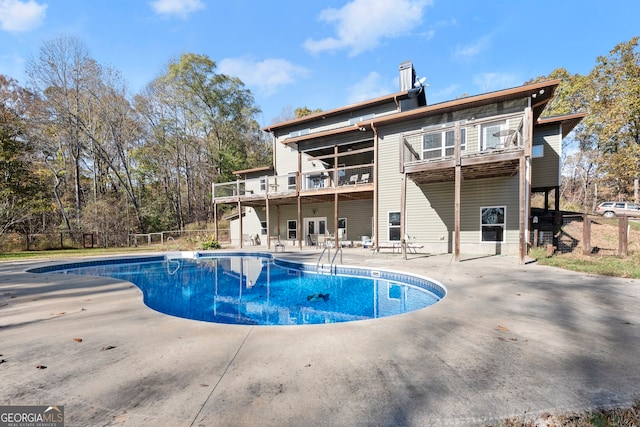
(568, 121)
(336, 111)
(252, 170)
(467, 102)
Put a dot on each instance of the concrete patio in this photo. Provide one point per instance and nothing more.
(507, 340)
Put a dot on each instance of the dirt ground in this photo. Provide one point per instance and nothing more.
(604, 236)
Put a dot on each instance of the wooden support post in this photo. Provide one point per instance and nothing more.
(522, 241)
(586, 235)
(376, 148)
(239, 213)
(278, 222)
(623, 235)
(335, 198)
(268, 218)
(215, 210)
(298, 178)
(525, 184)
(336, 238)
(403, 211)
(457, 152)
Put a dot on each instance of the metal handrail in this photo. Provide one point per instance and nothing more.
(338, 251)
(329, 259)
(174, 271)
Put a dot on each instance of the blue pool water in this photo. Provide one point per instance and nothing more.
(256, 290)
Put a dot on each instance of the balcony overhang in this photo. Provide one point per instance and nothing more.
(506, 163)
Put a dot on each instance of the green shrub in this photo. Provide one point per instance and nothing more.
(211, 243)
(538, 252)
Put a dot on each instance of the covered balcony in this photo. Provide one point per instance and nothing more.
(344, 179)
(483, 148)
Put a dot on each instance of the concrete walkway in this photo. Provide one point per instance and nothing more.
(508, 340)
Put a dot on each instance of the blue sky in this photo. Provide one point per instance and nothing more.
(326, 54)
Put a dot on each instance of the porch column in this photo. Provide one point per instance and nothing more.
(215, 211)
(403, 214)
(266, 209)
(298, 177)
(335, 197)
(239, 213)
(457, 192)
(525, 183)
(376, 144)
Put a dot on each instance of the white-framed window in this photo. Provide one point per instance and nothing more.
(342, 228)
(263, 184)
(492, 137)
(493, 223)
(537, 151)
(292, 229)
(394, 226)
(291, 181)
(263, 228)
(441, 143)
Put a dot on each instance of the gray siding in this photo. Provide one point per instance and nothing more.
(286, 159)
(430, 212)
(358, 213)
(545, 171)
(389, 180)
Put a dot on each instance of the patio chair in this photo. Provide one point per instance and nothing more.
(365, 178)
(353, 179)
(277, 243)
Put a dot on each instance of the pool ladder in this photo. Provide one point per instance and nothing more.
(331, 267)
(173, 270)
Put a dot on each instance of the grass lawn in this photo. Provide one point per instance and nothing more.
(64, 253)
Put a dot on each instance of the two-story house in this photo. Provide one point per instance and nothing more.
(453, 177)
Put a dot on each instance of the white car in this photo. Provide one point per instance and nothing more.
(612, 209)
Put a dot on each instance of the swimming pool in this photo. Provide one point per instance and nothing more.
(256, 289)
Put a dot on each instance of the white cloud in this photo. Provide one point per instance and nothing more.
(361, 25)
(180, 8)
(370, 87)
(268, 76)
(18, 15)
(474, 48)
(489, 82)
